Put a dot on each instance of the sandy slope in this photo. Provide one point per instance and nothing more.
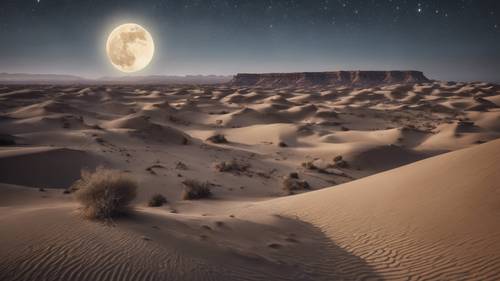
(433, 219)
(64, 169)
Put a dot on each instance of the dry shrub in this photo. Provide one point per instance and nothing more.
(340, 162)
(194, 189)
(105, 193)
(157, 200)
(309, 165)
(231, 166)
(181, 166)
(292, 183)
(282, 144)
(218, 138)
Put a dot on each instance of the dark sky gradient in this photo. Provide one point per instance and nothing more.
(449, 40)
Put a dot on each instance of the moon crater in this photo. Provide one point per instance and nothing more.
(130, 47)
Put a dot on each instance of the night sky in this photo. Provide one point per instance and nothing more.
(448, 40)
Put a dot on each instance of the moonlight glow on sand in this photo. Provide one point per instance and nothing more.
(130, 47)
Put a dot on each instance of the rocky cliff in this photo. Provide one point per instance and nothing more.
(333, 78)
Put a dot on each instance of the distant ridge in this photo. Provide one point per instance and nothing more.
(21, 78)
(167, 79)
(49, 79)
(336, 78)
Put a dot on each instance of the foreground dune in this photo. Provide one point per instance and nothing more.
(433, 219)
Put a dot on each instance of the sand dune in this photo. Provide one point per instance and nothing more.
(391, 207)
(417, 221)
(433, 219)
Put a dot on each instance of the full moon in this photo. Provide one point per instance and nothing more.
(130, 47)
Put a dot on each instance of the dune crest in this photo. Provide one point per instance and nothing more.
(436, 218)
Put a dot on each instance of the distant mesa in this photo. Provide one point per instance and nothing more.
(265, 80)
(331, 78)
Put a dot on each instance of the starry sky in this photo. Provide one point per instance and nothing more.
(455, 40)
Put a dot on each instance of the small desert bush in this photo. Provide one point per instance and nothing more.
(194, 189)
(231, 166)
(218, 138)
(104, 194)
(309, 165)
(292, 183)
(157, 200)
(282, 144)
(181, 166)
(340, 162)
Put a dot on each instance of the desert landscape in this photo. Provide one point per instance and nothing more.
(345, 175)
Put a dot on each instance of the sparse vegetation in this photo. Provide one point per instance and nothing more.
(309, 165)
(292, 183)
(340, 162)
(181, 166)
(194, 189)
(231, 166)
(218, 138)
(157, 200)
(105, 193)
(282, 144)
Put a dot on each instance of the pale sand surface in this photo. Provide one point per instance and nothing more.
(387, 215)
